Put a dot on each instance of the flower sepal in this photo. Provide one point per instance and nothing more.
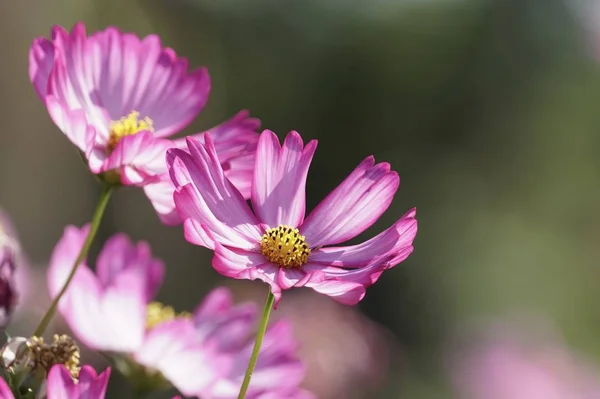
(142, 379)
(111, 178)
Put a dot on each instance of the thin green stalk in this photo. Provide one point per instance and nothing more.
(96, 219)
(257, 344)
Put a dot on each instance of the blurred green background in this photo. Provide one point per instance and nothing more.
(487, 109)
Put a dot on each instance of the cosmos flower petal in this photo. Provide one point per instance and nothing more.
(173, 348)
(120, 254)
(216, 302)
(278, 372)
(5, 392)
(89, 385)
(106, 312)
(394, 239)
(345, 292)
(64, 256)
(73, 124)
(160, 194)
(241, 264)
(271, 375)
(139, 157)
(298, 277)
(195, 212)
(225, 325)
(211, 199)
(41, 59)
(107, 318)
(278, 189)
(68, 82)
(235, 142)
(353, 206)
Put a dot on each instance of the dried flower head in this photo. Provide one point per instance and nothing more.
(62, 350)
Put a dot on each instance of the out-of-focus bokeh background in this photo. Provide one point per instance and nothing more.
(489, 110)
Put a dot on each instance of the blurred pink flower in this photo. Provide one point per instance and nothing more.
(507, 365)
(60, 384)
(278, 373)
(345, 353)
(118, 97)
(273, 242)
(107, 310)
(201, 355)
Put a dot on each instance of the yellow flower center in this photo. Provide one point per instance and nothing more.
(157, 313)
(283, 245)
(41, 356)
(127, 126)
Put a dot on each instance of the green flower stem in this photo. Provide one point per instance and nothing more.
(257, 344)
(96, 219)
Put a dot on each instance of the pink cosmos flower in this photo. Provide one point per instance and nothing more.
(60, 384)
(274, 242)
(278, 373)
(111, 311)
(118, 97)
(107, 310)
(506, 364)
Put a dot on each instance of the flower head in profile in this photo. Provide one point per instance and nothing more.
(119, 97)
(61, 385)
(112, 310)
(273, 241)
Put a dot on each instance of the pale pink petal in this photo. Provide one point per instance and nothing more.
(277, 367)
(89, 386)
(73, 124)
(120, 254)
(69, 81)
(41, 59)
(64, 256)
(211, 199)
(277, 370)
(215, 303)
(222, 324)
(298, 277)
(110, 319)
(5, 392)
(140, 158)
(241, 264)
(92, 385)
(353, 206)
(345, 292)
(60, 383)
(278, 189)
(343, 284)
(141, 75)
(399, 236)
(195, 211)
(108, 316)
(173, 348)
(160, 195)
(235, 142)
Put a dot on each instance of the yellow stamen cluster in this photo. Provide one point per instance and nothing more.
(157, 313)
(127, 126)
(284, 246)
(63, 350)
